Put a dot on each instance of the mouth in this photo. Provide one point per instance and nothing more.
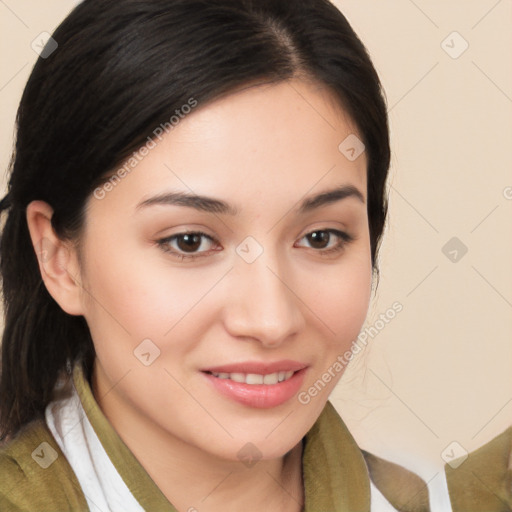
(258, 385)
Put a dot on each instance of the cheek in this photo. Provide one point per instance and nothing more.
(342, 299)
(133, 294)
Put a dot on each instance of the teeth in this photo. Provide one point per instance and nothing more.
(255, 378)
(271, 378)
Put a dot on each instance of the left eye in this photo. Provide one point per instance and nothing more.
(320, 236)
(187, 245)
(185, 242)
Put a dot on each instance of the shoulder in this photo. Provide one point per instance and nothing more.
(482, 479)
(35, 475)
(397, 488)
(402, 488)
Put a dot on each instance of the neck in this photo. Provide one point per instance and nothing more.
(192, 483)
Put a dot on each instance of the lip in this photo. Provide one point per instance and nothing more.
(259, 396)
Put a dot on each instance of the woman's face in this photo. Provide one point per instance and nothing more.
(195, 350)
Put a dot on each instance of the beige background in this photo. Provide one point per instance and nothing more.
(440, 371)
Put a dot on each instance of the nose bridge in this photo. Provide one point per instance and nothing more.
(263, 305)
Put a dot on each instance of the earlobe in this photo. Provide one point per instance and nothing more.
(57, 259)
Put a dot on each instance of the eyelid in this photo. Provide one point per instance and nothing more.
(345, 238)
(163, 243)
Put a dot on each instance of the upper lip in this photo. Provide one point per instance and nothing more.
(261, 368)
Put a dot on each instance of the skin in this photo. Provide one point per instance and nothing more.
(263, 149)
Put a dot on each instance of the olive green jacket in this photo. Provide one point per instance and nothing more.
(35, 476)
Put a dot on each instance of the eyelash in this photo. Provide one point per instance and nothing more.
(163, 243)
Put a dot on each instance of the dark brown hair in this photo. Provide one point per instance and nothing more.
(121, 68)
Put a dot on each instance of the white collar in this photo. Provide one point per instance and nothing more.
(103, 487)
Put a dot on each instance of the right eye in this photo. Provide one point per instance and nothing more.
(185, 245)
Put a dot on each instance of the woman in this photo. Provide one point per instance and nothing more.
(194, 213)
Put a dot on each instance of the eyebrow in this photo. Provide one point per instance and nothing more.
(213, 205)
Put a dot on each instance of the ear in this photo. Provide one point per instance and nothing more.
(58, 262)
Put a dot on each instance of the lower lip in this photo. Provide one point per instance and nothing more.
(261, 396)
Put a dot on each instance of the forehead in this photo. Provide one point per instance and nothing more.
(294, 116)
(273, 141)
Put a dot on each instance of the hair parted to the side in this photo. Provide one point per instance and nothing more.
(121, 69)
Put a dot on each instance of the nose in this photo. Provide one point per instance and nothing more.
(263, 304)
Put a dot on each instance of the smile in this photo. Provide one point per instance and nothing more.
(257, 385)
